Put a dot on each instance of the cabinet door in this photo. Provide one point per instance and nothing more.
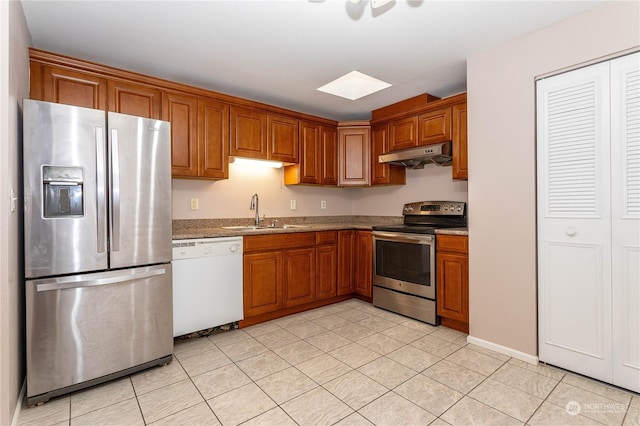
(364, 263)
(452, 286)
(384, 174)
(213, 139)
(353, 156)
(346, 267)
(326, 271)
(309, 151)
(328, 155)
(248, 133)
(64, 86)
(135, 99)
(299, 276)
(182, 112)
(434, 127)
(574, 221)
(283, 139)
(625, 216)
(459, 142)
(403, 133)
(262, 283)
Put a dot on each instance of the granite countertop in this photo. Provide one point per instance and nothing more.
(453, 231)
(212, 228)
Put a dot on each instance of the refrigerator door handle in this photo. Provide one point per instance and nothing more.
(66, 283)
(115, 191)
(101, 184)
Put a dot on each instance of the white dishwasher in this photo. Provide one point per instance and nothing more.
(207, 283)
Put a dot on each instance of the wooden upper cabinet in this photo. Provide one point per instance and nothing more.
(384, 174)
(213, 139)
(135, 99)
(403, 133)
(199, 136)
(328, 155)
(317, 162)
(459, 140)
(309, 151)
(434, 127)
(248, 133)
(307, 171)
(257, 134)
(354, 155)
(65, 86)
(282, 139)
(182, 112)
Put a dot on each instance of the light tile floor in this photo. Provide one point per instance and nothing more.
(345, 364)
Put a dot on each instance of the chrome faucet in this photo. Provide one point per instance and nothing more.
(254, 206)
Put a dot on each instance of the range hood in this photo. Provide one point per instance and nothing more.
(416, 158)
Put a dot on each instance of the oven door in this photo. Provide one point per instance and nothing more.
(405, 262)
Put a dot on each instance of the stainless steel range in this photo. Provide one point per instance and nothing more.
(404, 258)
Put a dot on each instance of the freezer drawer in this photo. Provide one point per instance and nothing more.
(86, 327)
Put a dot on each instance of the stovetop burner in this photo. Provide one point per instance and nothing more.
(424, 217)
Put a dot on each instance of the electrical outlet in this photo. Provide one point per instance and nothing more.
(293, 205)
(195, 204)
(323, 204)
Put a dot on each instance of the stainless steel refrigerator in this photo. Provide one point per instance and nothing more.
(97, 219)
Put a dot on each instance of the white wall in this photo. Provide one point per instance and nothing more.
(502, 180)
(230, 198)
(430, 183)
(14, 86)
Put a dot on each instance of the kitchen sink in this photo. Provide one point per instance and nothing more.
(255, 228)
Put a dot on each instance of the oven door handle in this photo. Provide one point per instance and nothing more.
(403, 238)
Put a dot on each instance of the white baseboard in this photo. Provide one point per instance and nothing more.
(531, 359)
(16, 412)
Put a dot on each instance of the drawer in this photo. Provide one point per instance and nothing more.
(326, 237)
(279, 241)
(452, 243)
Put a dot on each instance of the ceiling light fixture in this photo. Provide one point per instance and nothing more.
(250, 162)
(354, 85)
(374, 3)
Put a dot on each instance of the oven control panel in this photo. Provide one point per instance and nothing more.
(437, 208)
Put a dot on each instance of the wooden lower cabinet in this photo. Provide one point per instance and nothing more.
(326, 264)
(288, 273)
(299, 276)
(364, 264)
(452, 281)
(346, 256)
(262, 282)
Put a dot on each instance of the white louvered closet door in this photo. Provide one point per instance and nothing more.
(588, 133)
(625, 203)
(574, 222)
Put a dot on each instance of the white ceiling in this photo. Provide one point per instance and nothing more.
(280, 52)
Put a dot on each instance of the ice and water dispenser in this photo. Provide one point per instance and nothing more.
(62, 191)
